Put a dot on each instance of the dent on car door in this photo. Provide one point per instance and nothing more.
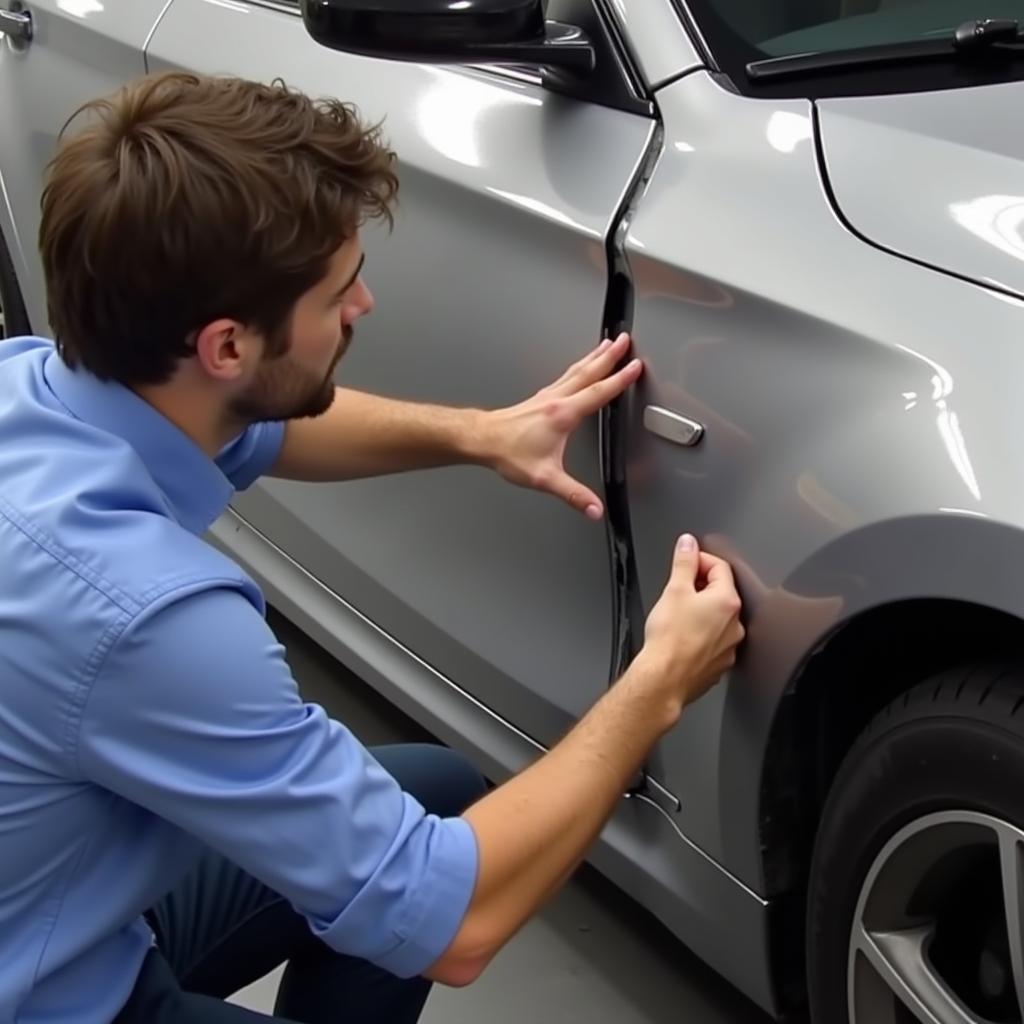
(78, 50)
(493, 282)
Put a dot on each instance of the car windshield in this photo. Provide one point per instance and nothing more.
(779, 28)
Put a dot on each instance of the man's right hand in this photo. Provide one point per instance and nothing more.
(533, 830)
(693, 631)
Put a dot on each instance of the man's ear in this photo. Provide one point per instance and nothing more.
(225, 349)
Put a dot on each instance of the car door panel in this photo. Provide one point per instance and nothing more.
(80, 49)
(494, 281)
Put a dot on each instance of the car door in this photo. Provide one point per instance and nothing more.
(78, 49)
(494, 280)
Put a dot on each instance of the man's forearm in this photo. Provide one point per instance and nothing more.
(534, 830)
(365, 435)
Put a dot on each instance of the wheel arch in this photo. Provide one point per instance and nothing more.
(924, 606)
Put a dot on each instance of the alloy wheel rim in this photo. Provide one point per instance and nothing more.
(938, 934)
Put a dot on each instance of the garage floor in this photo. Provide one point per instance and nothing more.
(593, 956)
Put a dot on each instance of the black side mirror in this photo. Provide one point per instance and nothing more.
(450, 32)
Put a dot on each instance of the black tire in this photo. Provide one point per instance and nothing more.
(953, 745)
(12, 305)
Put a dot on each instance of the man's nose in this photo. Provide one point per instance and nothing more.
(360, 299)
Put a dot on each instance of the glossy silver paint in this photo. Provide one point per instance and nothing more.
(860, 411)
(854, 455)
(969, 218)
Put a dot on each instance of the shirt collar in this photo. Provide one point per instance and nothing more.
(193, 484)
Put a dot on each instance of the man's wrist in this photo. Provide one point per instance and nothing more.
(653, 678)
(479, 438)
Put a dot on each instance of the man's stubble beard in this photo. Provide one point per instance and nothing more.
(284, 391)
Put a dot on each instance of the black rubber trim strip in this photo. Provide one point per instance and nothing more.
(613, 433)
(826, 182)
(613, 421)
(679, 76)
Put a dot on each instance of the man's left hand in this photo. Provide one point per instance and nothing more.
(528, 440)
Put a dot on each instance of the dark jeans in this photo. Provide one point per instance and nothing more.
(221, 929)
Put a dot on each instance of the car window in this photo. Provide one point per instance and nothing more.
(787, 27)
(738, 32)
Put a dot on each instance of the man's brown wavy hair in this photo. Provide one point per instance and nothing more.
(185, 199)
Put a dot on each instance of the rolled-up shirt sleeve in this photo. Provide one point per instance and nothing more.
(195, 716)
(251, 454)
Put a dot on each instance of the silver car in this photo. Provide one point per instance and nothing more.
(810, 214)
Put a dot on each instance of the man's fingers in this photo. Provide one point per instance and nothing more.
(581, 498)
(717, 570)
(686, 560)
(709, 561)
(596, 396)
(609, 349)
(717, 573)
(594, 366)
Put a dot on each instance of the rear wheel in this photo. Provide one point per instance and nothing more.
(915, 906)
(13, 316)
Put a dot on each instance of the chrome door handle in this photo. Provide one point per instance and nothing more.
(16, 24)
(673, 427)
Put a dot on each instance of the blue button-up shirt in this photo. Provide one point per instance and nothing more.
(147, 712)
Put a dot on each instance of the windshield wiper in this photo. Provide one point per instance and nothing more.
(995, 36)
